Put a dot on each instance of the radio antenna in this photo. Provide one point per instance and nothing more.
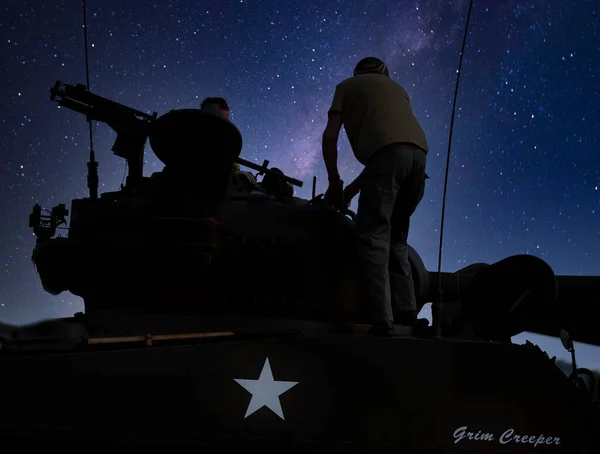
(437, 309)
(92, 165)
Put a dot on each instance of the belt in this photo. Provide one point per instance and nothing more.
(396, 145)
(400, 145)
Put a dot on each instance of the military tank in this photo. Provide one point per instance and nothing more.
(221, 315)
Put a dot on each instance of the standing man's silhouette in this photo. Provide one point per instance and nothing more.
(386, 137)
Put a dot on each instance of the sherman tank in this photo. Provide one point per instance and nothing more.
(222, 313)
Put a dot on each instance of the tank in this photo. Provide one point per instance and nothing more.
(221, 312)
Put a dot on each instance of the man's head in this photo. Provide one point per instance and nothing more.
(215, 106)
(371, 65)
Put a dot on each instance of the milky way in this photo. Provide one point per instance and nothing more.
(524, 171)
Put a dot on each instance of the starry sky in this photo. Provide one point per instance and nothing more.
(524, 173)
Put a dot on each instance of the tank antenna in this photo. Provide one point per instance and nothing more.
(438, 307)
(92, 165)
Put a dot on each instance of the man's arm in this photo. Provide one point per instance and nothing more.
(330, 140)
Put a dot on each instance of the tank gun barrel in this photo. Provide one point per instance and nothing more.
(132, 126)
(264, 169)
(577, 309)
(577, 306)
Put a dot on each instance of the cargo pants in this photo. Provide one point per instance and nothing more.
(392, 185)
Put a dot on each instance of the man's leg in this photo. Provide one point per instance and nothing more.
(403, 298)
(375, 206)
(410, 194)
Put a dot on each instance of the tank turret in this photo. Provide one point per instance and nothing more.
(170, 243)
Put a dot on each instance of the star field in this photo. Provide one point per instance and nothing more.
(524, 173)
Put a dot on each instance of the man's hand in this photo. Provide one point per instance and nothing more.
(350, 192)
(335, 194)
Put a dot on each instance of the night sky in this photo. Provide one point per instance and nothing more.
(524, 173)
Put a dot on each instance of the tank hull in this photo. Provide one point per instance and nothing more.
(319, 393)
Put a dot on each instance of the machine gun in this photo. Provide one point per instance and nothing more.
(132, 126)
(265, 170)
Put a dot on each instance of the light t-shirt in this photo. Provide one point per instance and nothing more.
(376, 112)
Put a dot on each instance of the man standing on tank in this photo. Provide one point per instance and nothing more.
(388, 140)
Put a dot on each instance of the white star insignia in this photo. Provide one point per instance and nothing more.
(265, 391)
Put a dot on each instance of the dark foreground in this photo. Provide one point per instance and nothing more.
(289, 392)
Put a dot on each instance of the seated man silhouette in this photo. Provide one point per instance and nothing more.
(241, 180)
(190, 141)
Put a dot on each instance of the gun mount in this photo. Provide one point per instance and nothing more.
(228, 284)
(44, 226)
